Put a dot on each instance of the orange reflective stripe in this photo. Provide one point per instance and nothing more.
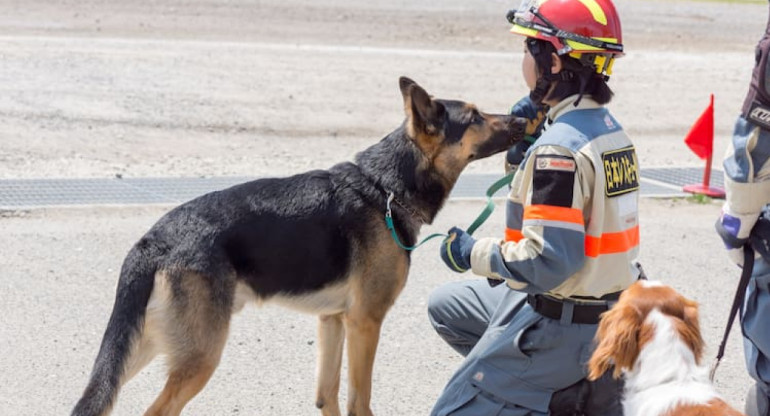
(610, 243)
(513, 235)
(552, 213)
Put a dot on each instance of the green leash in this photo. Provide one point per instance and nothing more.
(491, 191)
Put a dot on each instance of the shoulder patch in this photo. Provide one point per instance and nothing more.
(553, 180)
(562, 164)
(621, 171)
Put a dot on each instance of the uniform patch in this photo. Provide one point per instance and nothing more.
(553, 180)
(621, 170)
(760, 115)
(554, 163)
(608, 122)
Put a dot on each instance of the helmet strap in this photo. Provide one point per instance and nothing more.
(581, 90)
(542, 86)
(545, 81)
(543, 62)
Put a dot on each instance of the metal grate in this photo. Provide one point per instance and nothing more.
(681, 176)
(31, 193)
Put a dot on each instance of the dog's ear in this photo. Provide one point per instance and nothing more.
(424, 115)
(689, 329)
(618, 341)
(404, 83)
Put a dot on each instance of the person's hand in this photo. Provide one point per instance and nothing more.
(515, 155)
(535, 115)
(456, 250)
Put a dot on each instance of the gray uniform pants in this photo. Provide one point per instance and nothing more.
(515, 359)
(756, 331)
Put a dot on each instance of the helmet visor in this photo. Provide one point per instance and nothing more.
(523, 14)
(525, 9)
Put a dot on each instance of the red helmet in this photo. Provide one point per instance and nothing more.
(574, 27)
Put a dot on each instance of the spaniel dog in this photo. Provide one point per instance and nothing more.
(653, 339)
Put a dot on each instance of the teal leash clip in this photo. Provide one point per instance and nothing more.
(392, 228)
(491, 191)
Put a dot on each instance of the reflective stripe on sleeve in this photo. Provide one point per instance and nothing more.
(609, 243)
(513, 235)
(553, 213)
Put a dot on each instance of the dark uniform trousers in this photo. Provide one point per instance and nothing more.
(512, 365)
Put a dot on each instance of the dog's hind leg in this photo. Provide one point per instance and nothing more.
(194, 328)
(143, 352)
(331, 336)
(186, 378)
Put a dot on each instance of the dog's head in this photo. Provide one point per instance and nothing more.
(453, 133)
(628, 327)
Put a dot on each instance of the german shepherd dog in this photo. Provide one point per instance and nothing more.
(316, 242)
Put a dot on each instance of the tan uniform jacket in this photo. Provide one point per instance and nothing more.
(572, 214)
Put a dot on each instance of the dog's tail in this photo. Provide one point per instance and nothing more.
(137, 277)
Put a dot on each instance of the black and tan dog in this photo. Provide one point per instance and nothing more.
(317, 242)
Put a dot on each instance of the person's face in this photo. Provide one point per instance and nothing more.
(529, 69)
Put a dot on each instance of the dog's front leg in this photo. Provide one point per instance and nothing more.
(363, 335)
(331, 335)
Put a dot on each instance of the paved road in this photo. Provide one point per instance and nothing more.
(96, 89)
(59, 273)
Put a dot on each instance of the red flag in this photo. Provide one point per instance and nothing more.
(700, 139)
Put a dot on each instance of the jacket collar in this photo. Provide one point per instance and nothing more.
(568, 104)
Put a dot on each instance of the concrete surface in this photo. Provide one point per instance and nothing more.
(96, 88)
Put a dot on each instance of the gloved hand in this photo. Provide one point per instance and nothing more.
(515, 155)
(456, 250)
(535, 114)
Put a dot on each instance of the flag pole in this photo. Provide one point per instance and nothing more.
(707, 172)
(705, 188)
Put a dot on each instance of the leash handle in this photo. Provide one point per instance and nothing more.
(740, 293)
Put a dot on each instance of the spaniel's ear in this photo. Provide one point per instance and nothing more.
(618, 342)
(689, 330)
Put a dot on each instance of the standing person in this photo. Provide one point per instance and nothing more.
(571, 235)
(747, 183)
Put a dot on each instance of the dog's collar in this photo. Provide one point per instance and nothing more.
(391, 197)
(413, 213)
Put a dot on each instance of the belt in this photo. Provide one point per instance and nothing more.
(552, 308)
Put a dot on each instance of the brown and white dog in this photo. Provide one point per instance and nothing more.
(653, 339)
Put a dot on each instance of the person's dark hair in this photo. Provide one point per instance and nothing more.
(575, 77)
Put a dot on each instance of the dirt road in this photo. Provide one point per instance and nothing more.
(251, 88)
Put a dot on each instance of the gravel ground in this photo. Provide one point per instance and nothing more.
(254, 88)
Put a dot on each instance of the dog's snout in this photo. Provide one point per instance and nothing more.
(518, 126)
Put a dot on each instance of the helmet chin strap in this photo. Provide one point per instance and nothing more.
(544, 82)
(582, 89)
(542, 86)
